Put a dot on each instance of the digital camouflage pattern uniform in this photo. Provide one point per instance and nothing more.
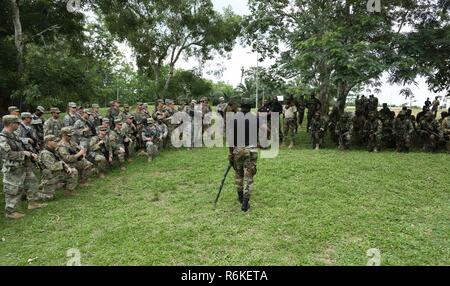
(116, 138)
(67, 150)
(53, 126)
(290, 122)
(150, 136)
(18, 172)
(82, 132)
(55, 172)
(100, 149)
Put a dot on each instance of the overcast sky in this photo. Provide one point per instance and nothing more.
(243, 57)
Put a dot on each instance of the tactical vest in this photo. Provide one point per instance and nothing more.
(16, 146)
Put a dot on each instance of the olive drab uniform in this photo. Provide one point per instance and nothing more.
(403, 131)
(52, 127)
(373, 133)
(430, 132)
(67, 152)
(100, 150)
(317, 131)
(344, 131)
(54, 172)
(445, 126)
(18, 172)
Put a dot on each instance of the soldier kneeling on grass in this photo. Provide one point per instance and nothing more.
(317, 130)
(55, 171)
(151, 137)
(101, 151)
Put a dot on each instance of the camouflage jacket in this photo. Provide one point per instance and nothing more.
(116, 138)
(163, 130)
(78, 130)
(373, 126)
(67, 151)
(402, 127)
(343, 127)
(151, 133)
(429, 127)
(317, 125)
(70, 119)
(11, 151)
(129, 130)
(25, 133)
(446, 125)
(50, 163)
(52, 127)
(100, 149)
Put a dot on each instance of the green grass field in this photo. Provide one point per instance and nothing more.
(308, 208)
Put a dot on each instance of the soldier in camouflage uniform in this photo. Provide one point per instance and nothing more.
(373, 132)
(445, 127)
(27, 134)
(430, 132)
(105, 124)
(387, 131)
(55, 171)
(71, 116)
(344, 131)
(53, 125)
(290, 122)
(124, 113)
(18, 175)
(74, 155)
(150, 136)
(163, 131)
(372, 103)
(358, 122)
(82, 131)
(101, 153)
(243, 157)
(113, 112)
(37, 124)
(140, 119)
(317, 130)
(403, 131)
(130, 132)
(95, 118)
(117, 137)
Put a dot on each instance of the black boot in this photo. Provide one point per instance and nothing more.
(240, 196)
(245, 204)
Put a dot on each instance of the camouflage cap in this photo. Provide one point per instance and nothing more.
(126, 106)
(117, 121)
(72, 105)
(150, 120)
(95, 106)
(145, 105)
(129, 116)
(159, 101)
(102, 128)
(105, 120)
(50, 138)
(55, 110)
(24, 115)
(8, 119)
(139, 104)
(193, 101)
(67, 130)
(13, 109)
(41, 109)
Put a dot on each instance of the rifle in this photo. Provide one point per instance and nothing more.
(221, 185)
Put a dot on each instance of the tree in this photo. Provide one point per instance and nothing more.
(161, 31)
(332, 47)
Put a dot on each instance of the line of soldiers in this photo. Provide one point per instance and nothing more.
(41, 156)
(379, 129)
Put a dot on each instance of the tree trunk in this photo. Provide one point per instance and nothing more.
(157, 72)
(169, 78)
(343, 91)
(18, 36)
(323, 97)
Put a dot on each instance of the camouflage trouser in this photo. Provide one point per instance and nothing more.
(374, 141)
(130, 148)
(84, 167)
(430, 141)
(16, 181)
(403, 141)
(344, 140)
(50, 182)
(119, 155)
(289, 129)
(152, 149)
(100, 162)
(317, 138)
(245, 166)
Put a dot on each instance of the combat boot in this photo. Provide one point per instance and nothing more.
(241, 196)
(14, 215)
(35, 205)
(245, 204)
